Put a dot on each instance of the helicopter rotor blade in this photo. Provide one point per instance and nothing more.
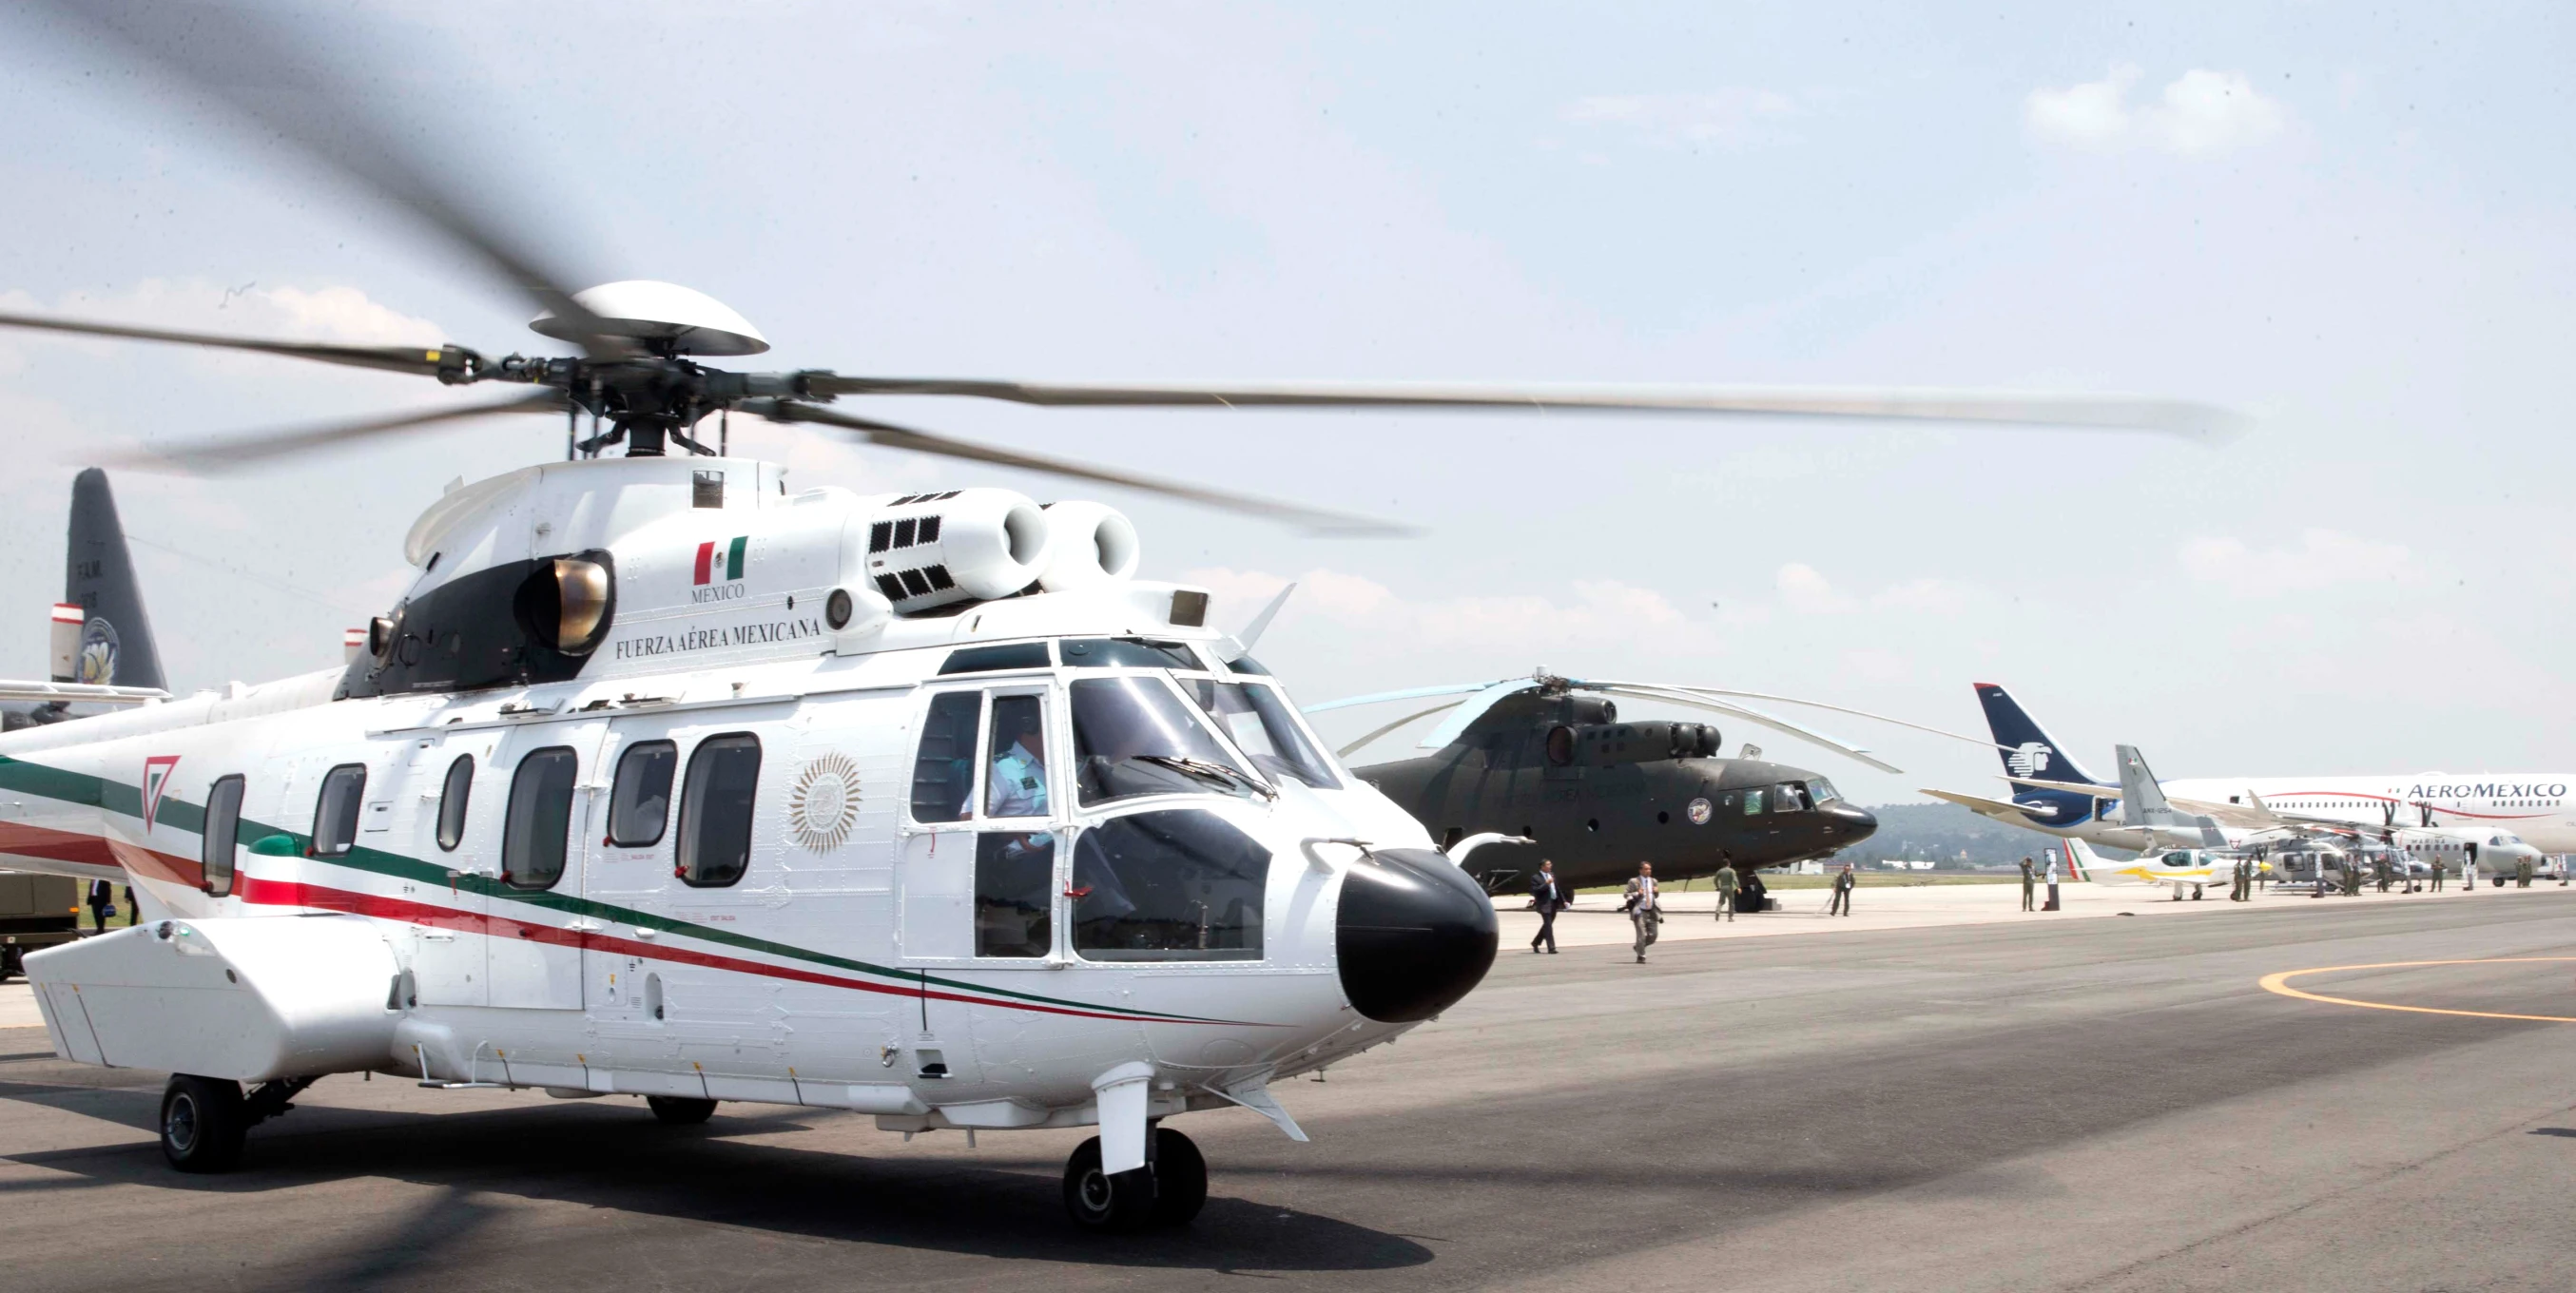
(233, 453)
(898, 437)
(419, 361)
(1362, 743)
(251, 65)
(2205, 423)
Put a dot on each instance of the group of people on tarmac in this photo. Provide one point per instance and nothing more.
(1642, 901)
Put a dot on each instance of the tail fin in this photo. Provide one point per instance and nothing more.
(2027, 751)
(2138, 788)
(116, 638)
(2080, 857)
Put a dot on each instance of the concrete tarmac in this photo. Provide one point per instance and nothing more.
(2074, 1104)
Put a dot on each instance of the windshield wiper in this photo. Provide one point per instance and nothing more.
(1205, 770)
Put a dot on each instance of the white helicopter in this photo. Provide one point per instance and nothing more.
(664, 780)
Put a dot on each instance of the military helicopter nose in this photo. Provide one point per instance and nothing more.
(1413, 934)
(1851, 824)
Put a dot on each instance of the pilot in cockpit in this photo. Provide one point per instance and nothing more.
(1015, 786)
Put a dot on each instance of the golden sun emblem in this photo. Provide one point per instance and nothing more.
(824, 803)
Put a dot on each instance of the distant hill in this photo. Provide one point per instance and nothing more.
(1943, 833)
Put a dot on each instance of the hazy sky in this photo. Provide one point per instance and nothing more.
(2352, 223)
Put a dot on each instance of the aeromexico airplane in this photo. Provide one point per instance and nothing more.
(664, 781)
(2498, 815)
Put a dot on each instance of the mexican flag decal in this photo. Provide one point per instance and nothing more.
(721, 560)
(156, 778)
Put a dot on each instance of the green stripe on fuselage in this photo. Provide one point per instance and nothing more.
(88, 791)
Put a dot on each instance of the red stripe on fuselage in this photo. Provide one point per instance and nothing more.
(93, 850)
(294, 893)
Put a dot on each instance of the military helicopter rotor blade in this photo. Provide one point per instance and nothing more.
(1362, 743)
(252, 66)
(232, 453)
(1409, 693)
(1983, 741)
(889, 435)
(2204, 423)
(1749, 714)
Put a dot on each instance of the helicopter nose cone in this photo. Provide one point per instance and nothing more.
(1850, 824)
(1413, 934)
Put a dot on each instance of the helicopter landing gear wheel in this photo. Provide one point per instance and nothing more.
(680, 1110)
(202, 1123)
(1180, 1178)
(1105, 1202)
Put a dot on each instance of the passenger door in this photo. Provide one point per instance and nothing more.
(439, 783)
(546, 779)
(627, 864)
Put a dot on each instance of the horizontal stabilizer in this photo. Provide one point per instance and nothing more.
(14, 689)
(2000, 809)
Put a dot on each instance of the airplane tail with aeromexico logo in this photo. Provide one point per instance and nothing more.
(2027, 751)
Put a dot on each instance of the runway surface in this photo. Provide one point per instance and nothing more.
(2093, 1104)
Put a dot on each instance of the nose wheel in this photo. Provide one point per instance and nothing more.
(1168, 1190)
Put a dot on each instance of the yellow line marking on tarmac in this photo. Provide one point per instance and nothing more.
(2280, 983)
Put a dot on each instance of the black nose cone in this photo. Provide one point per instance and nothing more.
(1413, 935)
(1851, 825)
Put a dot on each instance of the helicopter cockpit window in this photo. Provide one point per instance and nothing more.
(1246, 664)
(1254, 717)
(640, 801)
(1014, 893)
(1168, 886)
(1126, 653)
(335, 811)
(536, 828)
(1012, 655)
(943, 769)
(1135, 736)
(715, 810)
(1822, 790)
(1789, 797)
(222, 834)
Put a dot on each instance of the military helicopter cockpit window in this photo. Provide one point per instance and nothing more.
(536, 828)
(1126, 653)
(1790, 797)
(1135, 736)
(943, 767)
(1822, 790)
(335, 810)
(1168, 886)
(1259, 722)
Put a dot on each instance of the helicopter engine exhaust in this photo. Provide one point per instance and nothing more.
(1093, 544)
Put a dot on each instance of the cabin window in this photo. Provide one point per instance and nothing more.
(943, 770)
(537, 826)
(1753, 803)
(452, 795)
(1134, 736)
(223, 829)
(335, 811)
(1015, 777)
(1168, 886)
(640, 802)
(1014, 894)
(1257, 721)
(715, 810)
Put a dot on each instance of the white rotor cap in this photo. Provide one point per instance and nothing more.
(645, 310)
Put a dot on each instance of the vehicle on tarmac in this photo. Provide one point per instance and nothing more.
(36, 912)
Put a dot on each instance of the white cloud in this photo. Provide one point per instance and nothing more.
(1733, 117)
(2320, 559)
(1804, 589)
(2201, 113)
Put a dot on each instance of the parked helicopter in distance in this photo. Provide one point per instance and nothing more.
(661, 779)
(1547, 764)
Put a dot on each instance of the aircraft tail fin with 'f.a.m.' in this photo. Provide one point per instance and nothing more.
(102, 650)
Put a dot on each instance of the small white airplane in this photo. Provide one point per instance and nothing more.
(2176, 869)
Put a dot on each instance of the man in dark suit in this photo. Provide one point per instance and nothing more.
(1547, 897)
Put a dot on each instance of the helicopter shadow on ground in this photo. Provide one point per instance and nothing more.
(619, 1158)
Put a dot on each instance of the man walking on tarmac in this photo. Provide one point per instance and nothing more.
(2029, 881)
(1844, 883)
(1547, 897)
(1726, 889)
(1644, 911)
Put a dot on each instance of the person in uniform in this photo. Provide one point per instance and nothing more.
(1547, 897)
(2029, 886)
(2379, 870)
(2437, 873)
(1726, 888)
(1016, 785)
(1645, 911)
(1844, 883)
(2522, 873)
(2239, 880)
